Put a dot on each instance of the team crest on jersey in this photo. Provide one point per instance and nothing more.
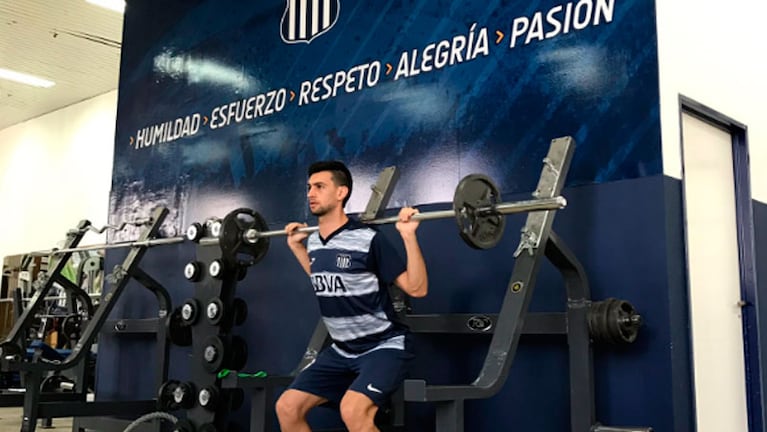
(343, 261)
(304, 20)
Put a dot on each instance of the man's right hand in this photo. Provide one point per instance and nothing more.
(295, 238)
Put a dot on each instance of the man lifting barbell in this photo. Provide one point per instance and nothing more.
(351, 266)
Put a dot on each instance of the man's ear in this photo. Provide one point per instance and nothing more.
(343, 191)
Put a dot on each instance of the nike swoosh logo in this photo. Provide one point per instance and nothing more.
(373, 389)
(311, 261)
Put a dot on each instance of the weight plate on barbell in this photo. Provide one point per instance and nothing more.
(233, 229)
(479, 229)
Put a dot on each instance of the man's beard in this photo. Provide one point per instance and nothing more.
(319, 211)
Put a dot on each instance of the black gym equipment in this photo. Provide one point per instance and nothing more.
(226, 248)
(582, 323)
(38, 401)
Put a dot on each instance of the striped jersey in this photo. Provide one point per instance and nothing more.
(351, 271)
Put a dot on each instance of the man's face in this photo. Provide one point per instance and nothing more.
(323, 193)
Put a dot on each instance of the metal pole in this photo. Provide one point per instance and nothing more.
(252, 235)
(553, 203)
(148, 243)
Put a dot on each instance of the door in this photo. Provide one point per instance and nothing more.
(714, 277)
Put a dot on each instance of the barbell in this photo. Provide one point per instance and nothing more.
(477, 209)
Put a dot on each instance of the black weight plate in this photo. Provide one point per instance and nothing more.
(71, 326)
(238, 354)
(183, 425)
(479, 229)
(240, 311)
(236, 398)
(622, 330)
(211, 404)
(208, 427)
(187, 395)
(219, 307)
(165, 401)
(194, 311)
(232, 242)
(218, 354)
(178, 332)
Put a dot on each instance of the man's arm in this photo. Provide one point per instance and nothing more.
(297, 246)
(414, 280)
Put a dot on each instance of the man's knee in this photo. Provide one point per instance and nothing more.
(358, 411)
(293, 405)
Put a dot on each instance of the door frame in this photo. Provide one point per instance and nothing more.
(744, 217)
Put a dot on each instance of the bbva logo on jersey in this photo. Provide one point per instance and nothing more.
(304, 20)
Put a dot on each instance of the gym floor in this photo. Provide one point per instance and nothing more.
(10, 421)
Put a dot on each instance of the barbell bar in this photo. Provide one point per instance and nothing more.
(477, 208)
(554, 203)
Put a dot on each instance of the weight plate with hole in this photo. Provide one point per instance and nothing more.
(232, 241)
(479, 227)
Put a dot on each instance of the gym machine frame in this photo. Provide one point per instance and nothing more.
(580, 323)
(53, 405)
(538, 240)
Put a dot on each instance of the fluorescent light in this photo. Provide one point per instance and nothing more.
(23, 78)
(115, 5)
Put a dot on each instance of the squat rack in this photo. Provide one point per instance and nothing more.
(13, 352)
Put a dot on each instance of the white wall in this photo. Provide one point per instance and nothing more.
(56, 170)
(713, 52)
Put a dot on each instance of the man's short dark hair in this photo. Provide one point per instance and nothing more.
(341, 175)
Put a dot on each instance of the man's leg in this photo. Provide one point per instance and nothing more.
(358, 412)
(381, 373)
(292, 407)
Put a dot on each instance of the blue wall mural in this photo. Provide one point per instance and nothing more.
(216, 107)
(223, 104)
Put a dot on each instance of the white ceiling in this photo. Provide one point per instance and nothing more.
(71, 42)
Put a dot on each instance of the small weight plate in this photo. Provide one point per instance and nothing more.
(208, 398)
(621, 328)
(194, 232)
(214, 310)
(165, 400)
(190, 311)
(213, 354)
(479, 226)
(232, 241)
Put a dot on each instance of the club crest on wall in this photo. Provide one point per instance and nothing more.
(304, 20)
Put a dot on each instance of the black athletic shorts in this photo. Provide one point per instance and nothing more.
(376, 374)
